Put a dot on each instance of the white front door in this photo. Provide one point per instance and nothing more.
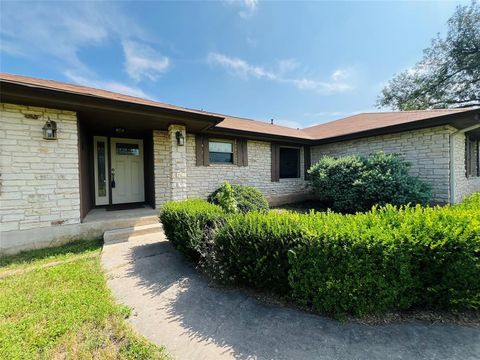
(127, 171)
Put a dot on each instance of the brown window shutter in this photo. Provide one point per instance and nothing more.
(199, 149)
(242, 152)
(275, 162)
(473, 158)
(467, 157)
(245, 152)
(307, 160)
(477, 149)
(206, 155)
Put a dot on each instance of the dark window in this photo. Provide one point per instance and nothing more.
(127, 149)
(289, 163)
(220, 151)
(471, 157)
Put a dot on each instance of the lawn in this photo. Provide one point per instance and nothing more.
(54, 303)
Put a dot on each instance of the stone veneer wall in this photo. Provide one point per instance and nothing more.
(203, 180)
(161, 159)
(178, 164)
(426, 149)
(463, 186)
(39, 178)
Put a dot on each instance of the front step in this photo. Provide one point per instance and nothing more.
(120, 235)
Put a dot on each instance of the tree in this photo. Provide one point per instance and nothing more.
(448, 76)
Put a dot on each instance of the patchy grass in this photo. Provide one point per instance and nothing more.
(56, 304)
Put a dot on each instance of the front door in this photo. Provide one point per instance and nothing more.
(127, 170)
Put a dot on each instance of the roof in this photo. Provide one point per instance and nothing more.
(371, 121)
(355, 124)
(89, 91)
(255, 126)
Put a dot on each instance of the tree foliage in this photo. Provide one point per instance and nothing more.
(448, 76)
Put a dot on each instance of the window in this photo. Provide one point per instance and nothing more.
(289, 163)
(101, 170)
(472, 167)
(127, 149)
(220, 151)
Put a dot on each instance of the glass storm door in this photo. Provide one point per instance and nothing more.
(100, 148)
(127, 170)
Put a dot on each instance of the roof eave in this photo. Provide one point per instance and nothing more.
(44, 96)
(458, 120)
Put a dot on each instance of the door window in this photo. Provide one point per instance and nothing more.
(127, 149)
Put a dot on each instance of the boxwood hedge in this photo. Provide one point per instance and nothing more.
(386, 259)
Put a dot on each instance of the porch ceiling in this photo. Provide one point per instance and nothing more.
(106, 121)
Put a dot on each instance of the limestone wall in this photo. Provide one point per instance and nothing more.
(203, 180)
(39, 178)
(426, 149)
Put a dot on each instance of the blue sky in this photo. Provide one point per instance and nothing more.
(301, 63)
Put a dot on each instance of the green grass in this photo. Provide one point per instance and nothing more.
(54, 303)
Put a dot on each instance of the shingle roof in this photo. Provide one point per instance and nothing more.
(88, 91)
(370, 121)
(346, 126)
(249, 125)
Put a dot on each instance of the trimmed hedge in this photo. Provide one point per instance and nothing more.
(248, 198)
(186, 223)
(252, 249)
(387, 259)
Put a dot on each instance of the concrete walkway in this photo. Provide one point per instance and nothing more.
(174, 306)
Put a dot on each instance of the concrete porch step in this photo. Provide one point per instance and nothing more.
(124, 234)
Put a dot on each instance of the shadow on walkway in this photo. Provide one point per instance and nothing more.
(176, 307)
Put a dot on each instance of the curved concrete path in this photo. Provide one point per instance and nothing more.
(174, 306)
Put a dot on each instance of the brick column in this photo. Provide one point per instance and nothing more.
(178, 163)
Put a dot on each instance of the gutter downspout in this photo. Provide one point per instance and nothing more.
(452, 159)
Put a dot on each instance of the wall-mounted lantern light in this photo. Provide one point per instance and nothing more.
(50, 130)
(180, 138)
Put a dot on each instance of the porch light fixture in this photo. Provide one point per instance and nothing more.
(180, 138)
(50, 130)
(119, 130)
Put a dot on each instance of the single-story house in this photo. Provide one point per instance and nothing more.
(70, 151)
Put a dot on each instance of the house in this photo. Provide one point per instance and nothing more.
(69, 153)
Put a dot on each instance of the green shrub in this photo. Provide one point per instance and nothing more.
(248, 198)
(353, 183)
(186, 222)
(252, 249)
(386, 259)
(389, 259)
(471, 202)
(225, 198)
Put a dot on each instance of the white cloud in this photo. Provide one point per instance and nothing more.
(106, 85)
(249, 7)
(287, 65)
(239, 67)
(59, 31)
(340, 74)
(141, 61)
(246, 7)
(322, 87)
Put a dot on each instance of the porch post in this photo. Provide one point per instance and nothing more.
(178, 164)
